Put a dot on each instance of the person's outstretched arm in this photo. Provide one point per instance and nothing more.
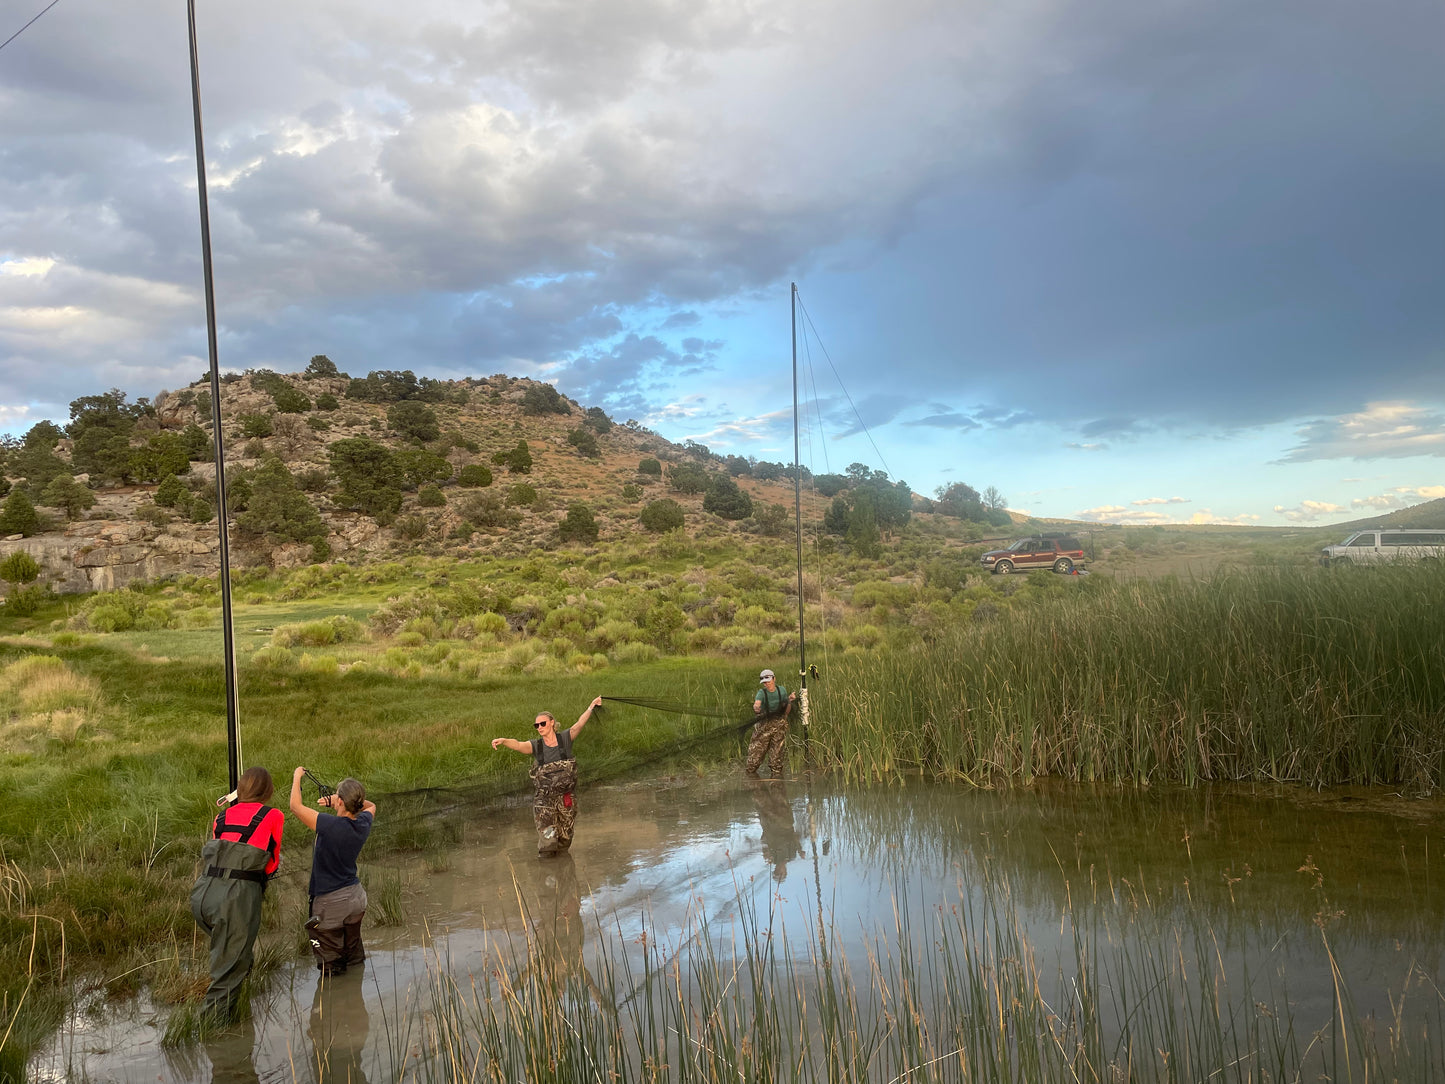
(582, 721)
(513, 744)
(298, 804)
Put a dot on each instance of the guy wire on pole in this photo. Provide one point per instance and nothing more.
(233, 705)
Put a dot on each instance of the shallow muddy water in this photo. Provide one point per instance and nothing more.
(1275, 884)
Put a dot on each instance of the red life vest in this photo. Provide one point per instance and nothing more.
(261, 830)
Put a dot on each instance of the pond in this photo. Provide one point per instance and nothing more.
(828, 931)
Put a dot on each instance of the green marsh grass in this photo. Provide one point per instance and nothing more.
(1285, 674)
(1292, 673)
(100, 834)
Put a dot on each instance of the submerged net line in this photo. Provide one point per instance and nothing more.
(597, 764)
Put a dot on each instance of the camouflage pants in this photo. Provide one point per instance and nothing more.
(769, 740)
(554, 804)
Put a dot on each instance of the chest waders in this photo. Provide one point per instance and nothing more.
(770, 732)
(226, 903)
(554, 804)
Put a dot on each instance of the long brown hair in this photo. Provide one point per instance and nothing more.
(255, 786)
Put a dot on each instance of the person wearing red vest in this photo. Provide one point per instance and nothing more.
(236, 863)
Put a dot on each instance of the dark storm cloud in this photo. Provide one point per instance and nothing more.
(869, 412)
(946, 420)
(1217, 213)
(1222, 214)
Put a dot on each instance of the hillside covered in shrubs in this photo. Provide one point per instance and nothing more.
(323, 465)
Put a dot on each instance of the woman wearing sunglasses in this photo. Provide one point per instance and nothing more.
(554, 777)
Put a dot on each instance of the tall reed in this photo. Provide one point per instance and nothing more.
(957, 992)
(1309, 675)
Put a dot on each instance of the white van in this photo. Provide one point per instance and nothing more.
(1372, 547)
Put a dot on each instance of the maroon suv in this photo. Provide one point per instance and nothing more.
(1060, 554)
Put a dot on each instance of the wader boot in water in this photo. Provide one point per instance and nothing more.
(351, 943)
(226, 903)
(554, 805)
(334, 929)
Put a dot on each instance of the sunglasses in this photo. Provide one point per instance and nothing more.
(539, 726)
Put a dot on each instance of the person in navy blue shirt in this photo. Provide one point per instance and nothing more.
(338, 902)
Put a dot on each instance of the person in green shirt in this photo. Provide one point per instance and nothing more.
(772, 705)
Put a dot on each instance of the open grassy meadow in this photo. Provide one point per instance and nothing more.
(112, 735)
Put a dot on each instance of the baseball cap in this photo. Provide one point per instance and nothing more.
(766, 675)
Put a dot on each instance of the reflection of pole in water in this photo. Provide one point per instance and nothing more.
(338, 1028)
(817, 879)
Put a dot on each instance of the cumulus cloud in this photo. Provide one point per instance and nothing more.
(1381, 431)
(752, 430)
(1399, 497)
(1240, 519)
(1117, 513)
(1308, 511)
(1137, 517)
(1161, 500)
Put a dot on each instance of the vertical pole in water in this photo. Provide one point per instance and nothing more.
(798, 514)
(233, 706)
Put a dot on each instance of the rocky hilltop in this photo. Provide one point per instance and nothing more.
(321, 465)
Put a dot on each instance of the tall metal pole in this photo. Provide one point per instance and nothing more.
(798, 514)
(233, 704)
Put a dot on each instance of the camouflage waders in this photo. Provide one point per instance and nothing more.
(554, 805)
(768, 733)
(226, 903)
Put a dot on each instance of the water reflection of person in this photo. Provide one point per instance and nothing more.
(556, 951)
(781, 841)
(231, 1053)
(337, 1029)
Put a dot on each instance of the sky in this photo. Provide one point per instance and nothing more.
(1126, 262)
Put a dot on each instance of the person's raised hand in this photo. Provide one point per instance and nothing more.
(497, 741)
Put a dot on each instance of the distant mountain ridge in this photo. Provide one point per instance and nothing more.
(1427, 516)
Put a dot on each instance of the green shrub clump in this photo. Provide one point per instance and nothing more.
(521, 494)
(413, 420)
(663, 515)
(474, 474)
(579, 525)
(430, 497)
(256, 425)
(725, 500)
(290, 401)
(585, 441)
(544, 399)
